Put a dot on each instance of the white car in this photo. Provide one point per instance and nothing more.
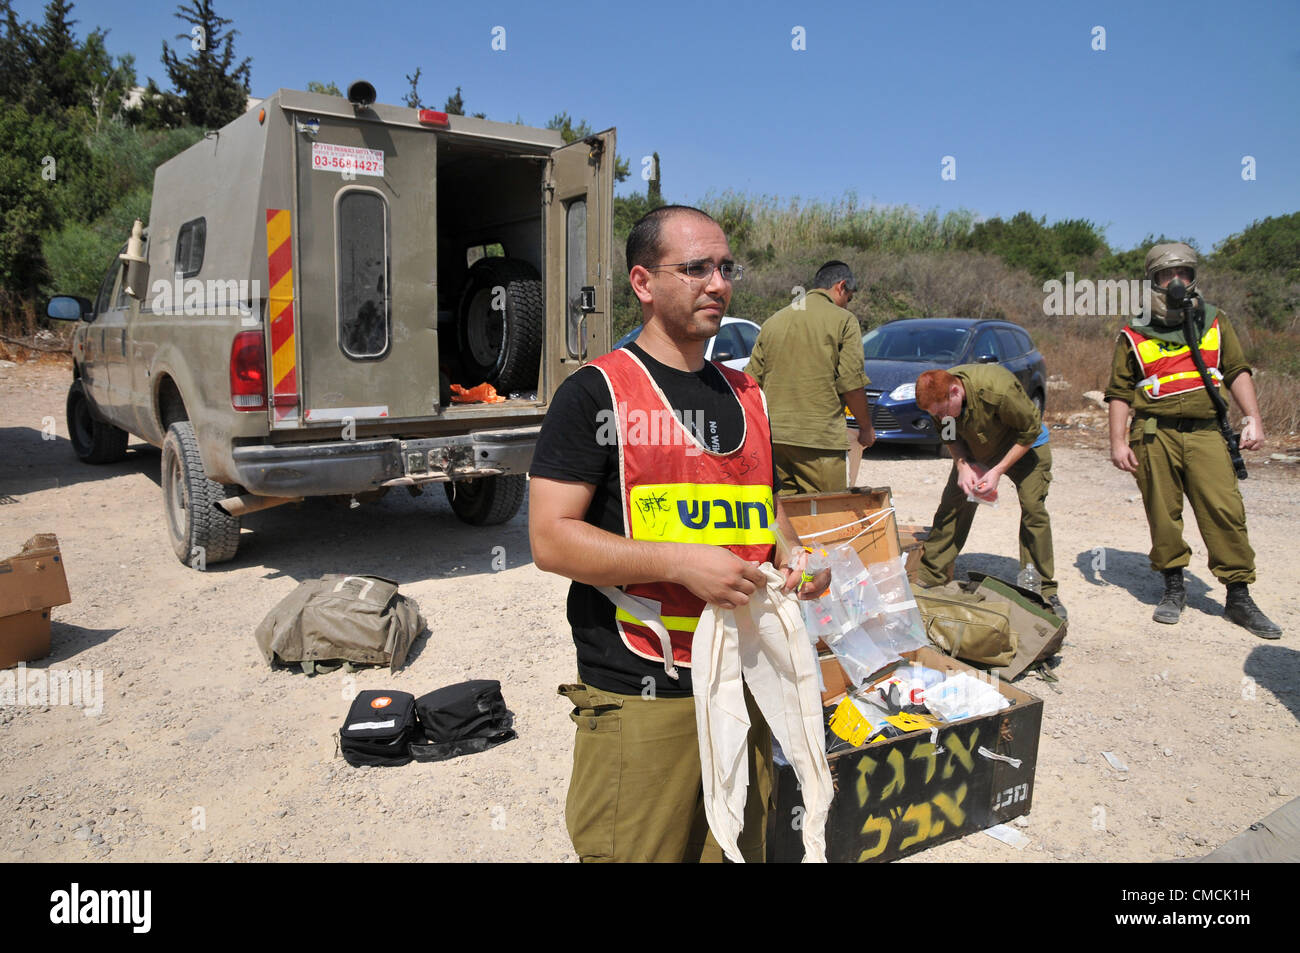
(730, 346)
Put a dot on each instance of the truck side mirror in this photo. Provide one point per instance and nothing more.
(68, 308)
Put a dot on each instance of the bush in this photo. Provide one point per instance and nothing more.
(79, 255)
(1272, 245)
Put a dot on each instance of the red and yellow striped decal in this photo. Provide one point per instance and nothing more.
(284, 360)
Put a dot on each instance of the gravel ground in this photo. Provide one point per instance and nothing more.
(203, 753)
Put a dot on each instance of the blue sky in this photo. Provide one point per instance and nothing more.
(1147, 136)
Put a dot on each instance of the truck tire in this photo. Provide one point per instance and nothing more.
(502, 348)
(93, 440)
(488, 500)
(200, 533)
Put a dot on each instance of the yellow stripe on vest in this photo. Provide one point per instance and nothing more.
(674, 623)
(719, 514)
(1153, 349)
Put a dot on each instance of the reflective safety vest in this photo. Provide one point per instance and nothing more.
(1168, 368)
(674, 489)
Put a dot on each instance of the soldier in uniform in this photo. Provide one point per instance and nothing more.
(1174, 446)
(808, 360)
(991, 428)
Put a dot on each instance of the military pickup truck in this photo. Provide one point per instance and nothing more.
(315, 280)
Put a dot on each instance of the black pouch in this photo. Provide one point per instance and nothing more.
(379, 728)
(462, 719)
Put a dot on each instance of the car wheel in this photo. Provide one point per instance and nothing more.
(93, 440)
(502, 347)
(1039, 402)
(487, 501)
(200, 532)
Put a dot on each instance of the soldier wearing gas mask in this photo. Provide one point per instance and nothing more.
(1174, 445)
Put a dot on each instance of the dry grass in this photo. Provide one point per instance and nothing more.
(1279, 403)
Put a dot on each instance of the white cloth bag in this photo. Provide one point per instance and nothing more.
(762, 644)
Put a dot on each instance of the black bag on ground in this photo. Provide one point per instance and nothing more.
(379, 728)
(462, 719)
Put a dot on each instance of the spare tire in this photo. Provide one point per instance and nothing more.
(501, 345)
(487, 500)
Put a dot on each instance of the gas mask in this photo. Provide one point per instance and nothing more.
(1169, 255)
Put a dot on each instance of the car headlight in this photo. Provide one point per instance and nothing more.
(903, 392)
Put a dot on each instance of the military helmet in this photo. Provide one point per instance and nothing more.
(1171, 255)
(1168, 255)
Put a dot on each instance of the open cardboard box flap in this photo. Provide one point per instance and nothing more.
(33, 578)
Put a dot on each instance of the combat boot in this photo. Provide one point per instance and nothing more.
(1241, 609)
(1174, 599)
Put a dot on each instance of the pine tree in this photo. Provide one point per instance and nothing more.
(54, 57)
(15, 66)
(413, 94)
(455, 105)
(211, 86)
(654, 189)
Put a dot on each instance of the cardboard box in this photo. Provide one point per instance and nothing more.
(897, 797)
(900, 796)
(31, 582)
(828, 518)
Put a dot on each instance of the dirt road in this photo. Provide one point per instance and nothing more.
(201, 752)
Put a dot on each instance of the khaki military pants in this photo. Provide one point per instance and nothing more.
(1194, 462)
(1032, 476)
(636, 794)
(810, 470)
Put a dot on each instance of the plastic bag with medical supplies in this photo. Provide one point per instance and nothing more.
(867, 617)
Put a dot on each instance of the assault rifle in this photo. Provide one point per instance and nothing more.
(1193, 312)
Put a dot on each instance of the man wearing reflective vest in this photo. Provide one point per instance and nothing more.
(1174, 446)
(652, 488)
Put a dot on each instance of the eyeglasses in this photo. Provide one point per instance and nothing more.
(701, 269)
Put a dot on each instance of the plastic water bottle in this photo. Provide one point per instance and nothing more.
(1029, 579)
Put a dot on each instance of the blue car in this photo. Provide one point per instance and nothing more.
(897, 352)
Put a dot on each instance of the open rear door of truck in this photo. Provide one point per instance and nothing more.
(365, 235)
(579, 204)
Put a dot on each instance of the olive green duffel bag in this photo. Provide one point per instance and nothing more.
(968, 625)
(341, 621)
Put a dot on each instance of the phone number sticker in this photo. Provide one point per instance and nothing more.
(327, 157)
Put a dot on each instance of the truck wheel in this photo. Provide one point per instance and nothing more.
(503, 348)
(488, 500)
(93, 440)
(200, 533)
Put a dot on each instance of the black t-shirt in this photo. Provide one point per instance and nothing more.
(568, 449)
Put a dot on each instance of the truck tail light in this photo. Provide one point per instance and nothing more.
(248, 371)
